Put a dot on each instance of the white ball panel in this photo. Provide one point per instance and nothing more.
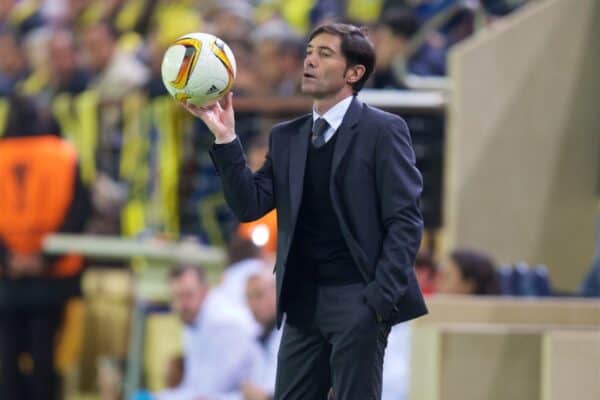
(208, 78)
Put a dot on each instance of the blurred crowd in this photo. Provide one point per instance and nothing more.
(95, 67)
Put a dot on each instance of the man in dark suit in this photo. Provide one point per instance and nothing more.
(346, 189)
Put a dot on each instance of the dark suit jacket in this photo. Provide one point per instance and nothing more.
(374, 187)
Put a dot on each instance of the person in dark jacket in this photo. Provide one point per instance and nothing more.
(346, 189)
(40, 193)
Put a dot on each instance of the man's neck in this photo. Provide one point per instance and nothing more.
(321, 106)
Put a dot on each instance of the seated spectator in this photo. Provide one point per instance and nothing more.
(260, 294)
(218, 350)
(426, 270)
(244, 260)
(469, 272)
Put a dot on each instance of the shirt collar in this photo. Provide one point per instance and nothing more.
(335, 115)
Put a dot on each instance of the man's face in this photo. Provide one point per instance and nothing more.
(388, 46)
(324, 67)
(12, 60)
(270, 72)
(452, 282)
(187, 296)
(99, 47)
(261, 298)
(62, 54)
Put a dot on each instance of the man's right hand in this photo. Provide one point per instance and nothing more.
(219, 119)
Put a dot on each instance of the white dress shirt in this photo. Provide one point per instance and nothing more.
(396, 362)
(264, 375)
(265, 365)
(219, 355)
(334, 116)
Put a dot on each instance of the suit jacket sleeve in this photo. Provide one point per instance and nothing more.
(250, 195)
(399, 185)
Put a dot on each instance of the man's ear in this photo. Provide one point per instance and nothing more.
(355, 73)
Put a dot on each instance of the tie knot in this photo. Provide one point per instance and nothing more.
(319, 128)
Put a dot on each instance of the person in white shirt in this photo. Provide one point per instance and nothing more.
(244, 259)
(219, 350)
(261, 298)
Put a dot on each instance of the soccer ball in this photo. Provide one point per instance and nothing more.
(199, 68)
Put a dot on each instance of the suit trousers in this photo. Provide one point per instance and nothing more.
(340, 347)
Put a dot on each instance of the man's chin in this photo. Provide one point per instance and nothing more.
(311, 91)
(306, 89)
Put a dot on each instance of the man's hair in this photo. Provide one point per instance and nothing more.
(178, 270)
(479, 268)
(356, 48)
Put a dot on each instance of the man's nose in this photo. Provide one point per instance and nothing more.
(310, 61)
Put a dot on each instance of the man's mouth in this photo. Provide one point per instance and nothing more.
(308, 75)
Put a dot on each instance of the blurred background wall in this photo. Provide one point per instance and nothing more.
(523, 147)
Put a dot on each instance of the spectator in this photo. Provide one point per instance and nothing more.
(279, 56)
(469, 272)
(40, 193)
(244, 260)
(291, 54)
(13, 64)
(65, 73)
(392, 37)
(230, 19)
(246, 81)
(260, 294)
(115, 72)
(58, 72)
(218, 350)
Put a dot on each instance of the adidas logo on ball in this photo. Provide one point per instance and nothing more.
(212, 90)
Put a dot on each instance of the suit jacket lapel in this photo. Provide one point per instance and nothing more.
(298, 149)
(346, 133)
